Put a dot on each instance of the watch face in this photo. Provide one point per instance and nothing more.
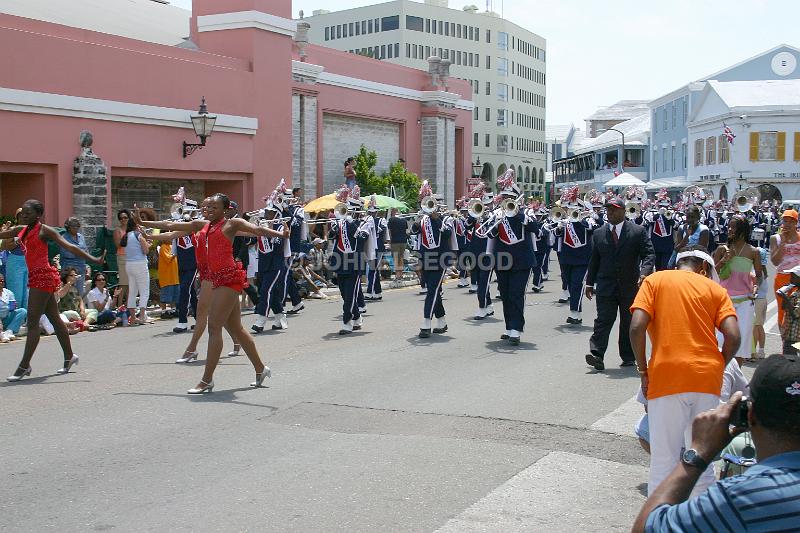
(690, 456)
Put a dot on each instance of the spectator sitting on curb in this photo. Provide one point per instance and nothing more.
(70, 303)
(308, 281)
(767, 496)
(99, 311)
(11, 317)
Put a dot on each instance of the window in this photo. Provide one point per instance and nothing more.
(698, 153)
(350, 29)
(674, 115)
(488, 62)
(502, 92)
(477, 87)
(344, 31)
(711, 151)
(414, 23)
(390, 23)
(666, 118)
(674, 151)
(767, 145)
(684, 154)
(501, 117)
(471, 33)
(502, 40)
(441, 27)
(655, 160)
(363, 27)
(478, 60)
(488, 115)
(475, 139)
(358, 28)
(369, 26)
(664, 158)
(408, 50)
(427, 52)
(383, 52)
(458, 28)
(338, 32)
(427, 25)
(447, 29)
(502, 143)
(502, 66)
(655, 121)
(327, 33)
(488, 36)
(396, 49)
(475, 113)
(685, 111)
(458, 57)
(488, 88)
(724, 150)
(471, 60)
(488, 140)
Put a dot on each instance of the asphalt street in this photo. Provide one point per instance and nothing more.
(376, 431)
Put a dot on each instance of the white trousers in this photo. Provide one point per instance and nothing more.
(138, 283)
(671, 431)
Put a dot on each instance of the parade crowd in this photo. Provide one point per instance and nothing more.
(690, 275)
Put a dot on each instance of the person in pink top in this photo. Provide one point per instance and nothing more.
(784, 252)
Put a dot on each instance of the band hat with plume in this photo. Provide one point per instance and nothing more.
(425, 190)
(354, 200)
(372, 204)
(508, 185)
(569, 197)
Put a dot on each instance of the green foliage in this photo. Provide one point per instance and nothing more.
(406, 183)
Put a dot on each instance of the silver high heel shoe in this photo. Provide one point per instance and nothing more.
(19, 378)
(266, 373)
(188, 357)
(72, 362)
(207, 387)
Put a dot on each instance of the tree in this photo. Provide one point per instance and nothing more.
(406, 184)
(367, 179)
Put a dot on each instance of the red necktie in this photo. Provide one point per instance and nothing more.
(614, 235)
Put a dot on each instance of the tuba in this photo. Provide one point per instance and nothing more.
(183, 211)
(744, 201)
(340, 211)
(558, 214)
(693, 195)
(632, 210)
(429, 205)
(476, 208)
(510, 207)
(577, 214)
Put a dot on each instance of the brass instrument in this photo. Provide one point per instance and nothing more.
(184, 211)
(635, 194)
(745, 200)
(632, 210)
(578, 214)
(558, 214)
(510, 206)
(476, 208)
(693, 195)
(429, 205)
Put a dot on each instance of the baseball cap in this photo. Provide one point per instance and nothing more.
(615, 201)
(790, 213)
(775, 390)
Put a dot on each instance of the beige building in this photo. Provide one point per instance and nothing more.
(504, 63)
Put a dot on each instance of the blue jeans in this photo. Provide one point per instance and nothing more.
(17, 278)
(15, 319)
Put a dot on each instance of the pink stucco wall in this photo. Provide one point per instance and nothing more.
(244, 72)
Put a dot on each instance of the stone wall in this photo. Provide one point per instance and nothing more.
(438, 155)
(155, 194)
(89, 194)
(342, 138)
(304, 144)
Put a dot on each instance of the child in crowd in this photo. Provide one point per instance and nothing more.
(789, 300)
(168, 280)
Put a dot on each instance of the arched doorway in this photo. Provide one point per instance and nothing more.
(770, 193)
(541, 176)
(501, 169)
(520, 173)
(723, 193)
(487, 174)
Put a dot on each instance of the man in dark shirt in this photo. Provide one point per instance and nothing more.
(398, 237)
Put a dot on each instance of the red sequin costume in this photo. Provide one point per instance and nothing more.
(223, 270)
(201, 255)
(41, 274)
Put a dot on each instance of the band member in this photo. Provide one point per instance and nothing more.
(512, 245)
(621, 257)
(690, 233)
(436, 244)
(298, 233)
(273, 254)
(479, 251)
(43, 281)
(348, 259)
(660, 229)
(575, 234)
(460, 227)
(378, 233)
(541, 240)
(228, 280)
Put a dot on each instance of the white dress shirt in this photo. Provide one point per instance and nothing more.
(617, 228)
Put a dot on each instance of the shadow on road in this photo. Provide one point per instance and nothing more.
(335, 335)
(435, 338)
(42, 380)
(502, 346)
(218, 396)
(574, 328)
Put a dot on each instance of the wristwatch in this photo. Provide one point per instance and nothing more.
(692, 458)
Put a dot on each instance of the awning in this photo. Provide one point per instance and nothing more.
(624, 180)
(667, 183)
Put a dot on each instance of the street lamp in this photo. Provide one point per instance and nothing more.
(620, 162)
(477, 168)
(203, 125)
(741, 180)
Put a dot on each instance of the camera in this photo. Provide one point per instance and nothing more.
(739, 415)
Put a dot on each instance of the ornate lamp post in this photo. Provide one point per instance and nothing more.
(477, 168)
(203, 125)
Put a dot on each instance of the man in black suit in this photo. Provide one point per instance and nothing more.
(622, 255)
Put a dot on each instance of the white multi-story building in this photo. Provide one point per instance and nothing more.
(504, 63)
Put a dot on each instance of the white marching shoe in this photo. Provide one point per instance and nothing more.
(513, 337)
(346, 329)
(72, 362)
(18, 377)
(266, 373)
(441, 325)
(188, 357)
(280, 322)
(358, 323)
(202, 389)
(480, 314)
(564, 297)
(489, 310)
(473, 288)
(261, 321)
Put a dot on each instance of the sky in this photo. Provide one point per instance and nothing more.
(603, 51)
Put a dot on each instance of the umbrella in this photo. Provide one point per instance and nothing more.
(624, 180)
(328, 202)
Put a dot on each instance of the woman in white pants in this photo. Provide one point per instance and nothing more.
(136, 248)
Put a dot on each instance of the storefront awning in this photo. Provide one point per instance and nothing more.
(667, 183)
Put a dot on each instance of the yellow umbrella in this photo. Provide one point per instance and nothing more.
(323, 203)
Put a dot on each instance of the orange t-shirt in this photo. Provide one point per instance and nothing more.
(685, 310)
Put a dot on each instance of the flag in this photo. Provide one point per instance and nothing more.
(728, 133)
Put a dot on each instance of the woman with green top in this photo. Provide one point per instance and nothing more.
(739, 266)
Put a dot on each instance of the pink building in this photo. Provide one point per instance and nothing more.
(279, 115)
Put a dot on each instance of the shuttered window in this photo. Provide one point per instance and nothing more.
(754, 140)
(780, 146)
(797, 146)
(698, 153)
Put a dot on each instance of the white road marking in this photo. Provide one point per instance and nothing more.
(772, 317)
(621, 420)
(560, 492)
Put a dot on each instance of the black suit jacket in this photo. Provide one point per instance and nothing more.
(617, 268)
